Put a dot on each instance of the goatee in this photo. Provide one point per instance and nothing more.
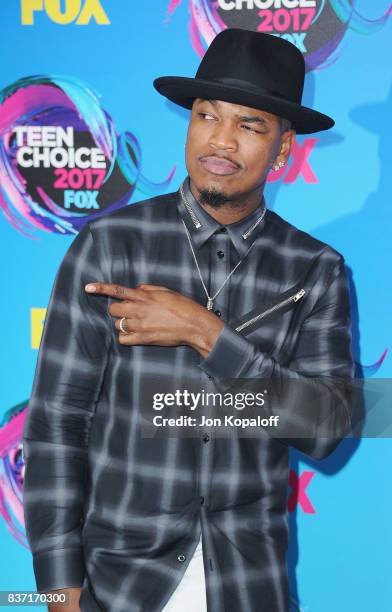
(213, 197)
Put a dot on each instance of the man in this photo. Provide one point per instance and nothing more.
(202, 285)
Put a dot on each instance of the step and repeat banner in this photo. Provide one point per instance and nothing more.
(83, 133)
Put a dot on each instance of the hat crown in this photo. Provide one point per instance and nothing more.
(252, 69)
(264, 61)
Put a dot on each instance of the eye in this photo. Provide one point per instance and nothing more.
(204, 115)
(250, 129)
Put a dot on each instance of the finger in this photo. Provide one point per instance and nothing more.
(124, 309)
(129, 324)
(135, 338)
(113, 290)
(153, 287)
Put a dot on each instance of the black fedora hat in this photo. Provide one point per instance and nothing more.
(252, 69)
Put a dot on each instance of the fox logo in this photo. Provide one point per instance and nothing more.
(79, 11)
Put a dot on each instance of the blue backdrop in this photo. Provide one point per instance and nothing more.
(90, 65)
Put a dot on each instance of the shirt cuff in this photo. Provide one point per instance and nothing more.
(230, 356)
(59, 569)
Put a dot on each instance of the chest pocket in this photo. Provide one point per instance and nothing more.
(260, 316)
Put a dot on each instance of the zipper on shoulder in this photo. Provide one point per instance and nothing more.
(189, 208)
(293, 298)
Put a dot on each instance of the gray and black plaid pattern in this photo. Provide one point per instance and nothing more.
(121, 514)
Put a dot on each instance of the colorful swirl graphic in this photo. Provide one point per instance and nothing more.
(207, 20)
(12, 471)
(346, 12)
(39, 194)
(367, 371)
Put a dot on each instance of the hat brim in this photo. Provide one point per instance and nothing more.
(184, 90)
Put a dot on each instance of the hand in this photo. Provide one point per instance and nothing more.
(159, 316)
(73, 601)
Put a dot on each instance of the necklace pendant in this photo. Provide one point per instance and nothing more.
(210, 303)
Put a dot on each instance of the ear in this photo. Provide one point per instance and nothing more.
(284, 147)
(286, 144)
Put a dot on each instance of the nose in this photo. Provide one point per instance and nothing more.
(222, 137)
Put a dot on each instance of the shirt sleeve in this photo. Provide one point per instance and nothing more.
(315, 390)
(70, 367)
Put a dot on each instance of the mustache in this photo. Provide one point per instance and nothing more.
(227, 157)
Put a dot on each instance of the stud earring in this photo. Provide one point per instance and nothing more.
(279, 165)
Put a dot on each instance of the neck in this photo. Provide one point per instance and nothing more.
(233, 210)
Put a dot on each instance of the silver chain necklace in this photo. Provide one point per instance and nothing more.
(210, 299)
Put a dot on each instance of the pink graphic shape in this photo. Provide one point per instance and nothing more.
(298, 494)
(173, 5)
(300, 164)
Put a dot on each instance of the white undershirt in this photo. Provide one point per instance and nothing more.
(190, 594)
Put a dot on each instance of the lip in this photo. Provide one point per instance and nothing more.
(218, 165)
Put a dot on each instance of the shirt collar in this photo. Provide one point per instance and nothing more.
(201, 225)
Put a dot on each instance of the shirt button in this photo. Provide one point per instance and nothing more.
(218, 313)
(223, 230)
(220, 254)
(201, 500)
(181, 558)
(206, 437)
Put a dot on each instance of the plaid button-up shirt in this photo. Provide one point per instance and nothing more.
(121, 514)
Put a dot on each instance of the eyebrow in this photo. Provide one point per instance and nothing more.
(244, 118)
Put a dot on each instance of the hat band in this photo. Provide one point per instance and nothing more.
(249, 86)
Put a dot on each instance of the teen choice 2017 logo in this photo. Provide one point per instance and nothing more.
(62, 163)
(316, 27)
